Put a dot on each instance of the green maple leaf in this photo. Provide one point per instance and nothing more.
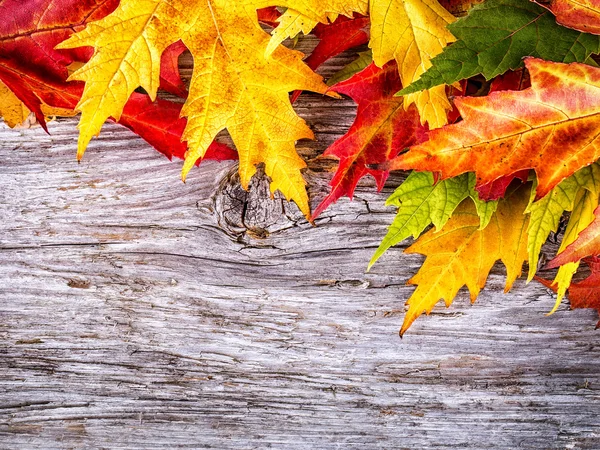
(495, 37)
(422, 202)
(546, 212)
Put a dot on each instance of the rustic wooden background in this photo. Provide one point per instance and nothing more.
(140, 312)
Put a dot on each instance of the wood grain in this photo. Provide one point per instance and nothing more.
(140, 312)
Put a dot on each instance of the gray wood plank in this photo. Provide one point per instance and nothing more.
(140, 312)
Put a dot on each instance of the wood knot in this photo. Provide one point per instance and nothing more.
(254, 213)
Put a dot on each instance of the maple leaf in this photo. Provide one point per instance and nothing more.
(461, 253)
(490, 46)
(547, 211)
(551, 127)
(37, 73)
(169, 70)
(582, 15)
(161, 125)
(581, 217)
(233, 86)
(381, 130)
(412, 32)
(422, 202)
(12, 110)
(335, 38)
(585, 293)
(29, 65)
(586, 244)
(512, 81)
(295, 20)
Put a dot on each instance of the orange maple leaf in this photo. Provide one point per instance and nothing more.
(581, 15)
(552, 127)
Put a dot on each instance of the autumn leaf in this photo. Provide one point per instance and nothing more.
(547, 211)
(586, 244)
(335, 38)
(12, 110)
(512, 81)
(295, 20)
(381, 130)
(234, 86)
(422, 202)
(581, 217)
(161, 125)
(463, 254)
(171, 81)
(552, 127)
(489, 46)
(412, 32)
(582, 15)
(38, 73)
(29, 65)
(585, 293)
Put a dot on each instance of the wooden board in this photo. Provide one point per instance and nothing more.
(140, 312)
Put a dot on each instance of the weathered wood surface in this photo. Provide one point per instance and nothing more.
(140, 312)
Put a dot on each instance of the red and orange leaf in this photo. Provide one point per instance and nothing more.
(582, 15)
(516, 80)
(29, 65)
(552, 127)
(585, 293)
(381, 130)
(586, 244)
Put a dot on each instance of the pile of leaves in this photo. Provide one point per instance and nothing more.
(493, 106)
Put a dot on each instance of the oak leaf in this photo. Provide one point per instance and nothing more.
(552, 127)
(461, 253)
(233, 86)
(489, 46)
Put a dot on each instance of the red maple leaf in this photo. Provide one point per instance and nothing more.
(381, 130)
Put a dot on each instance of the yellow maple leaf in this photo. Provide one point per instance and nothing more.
(463, 254)
(412, 32)
(234, 86)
